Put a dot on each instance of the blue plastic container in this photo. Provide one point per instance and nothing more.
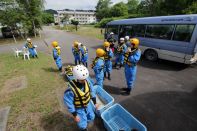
(107, 100)
(116, 118)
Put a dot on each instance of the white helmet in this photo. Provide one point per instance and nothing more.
(126, 37)
(28, 39)
(80, 72)
(121, 39)
(112, 33)
(79, 44)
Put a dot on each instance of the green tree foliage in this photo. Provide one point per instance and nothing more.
(119, 9)
(47, 18)
(76, 23)
(192, 9)
(102, 9)
(132, 6)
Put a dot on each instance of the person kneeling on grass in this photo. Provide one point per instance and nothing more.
(56, 55)
(31, 48)
(78, 95)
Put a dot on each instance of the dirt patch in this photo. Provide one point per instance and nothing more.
(14, 84)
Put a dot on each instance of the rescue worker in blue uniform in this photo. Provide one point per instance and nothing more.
(132, 57)
(78, 95)
(76, 52)
(31, 48)
(98, 66)
(120, 51)
(84, 54)
(56, 55)
(108, 57)
(127, 41)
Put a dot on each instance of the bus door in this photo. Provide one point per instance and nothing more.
(114, 29)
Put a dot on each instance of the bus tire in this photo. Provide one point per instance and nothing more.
(151, 55)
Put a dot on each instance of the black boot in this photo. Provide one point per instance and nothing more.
(60, 69)
(114, 66)
(120, 66)
(79, 62)
(36, 56)
(86, 64)
(105, 75)
(109, 76)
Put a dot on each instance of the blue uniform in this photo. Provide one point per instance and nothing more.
(76, 53)
(98, 67)
(131, 67)
(84, 54)
(86, 114)
(121, 49)
(57, 58)
(31, 49)
(108, 62)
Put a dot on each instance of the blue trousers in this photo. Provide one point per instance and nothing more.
(77, 59)
(130, 75)
(108, 66)
(85, 117)
(120, 59)
(99, 78)
(32, 52)
(58, 62)
(84, 58)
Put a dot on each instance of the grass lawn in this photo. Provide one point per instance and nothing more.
(85, 30)
(35, 107)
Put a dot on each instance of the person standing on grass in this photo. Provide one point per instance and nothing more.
(98, 66)
(76, 52)
(78, 96)
(84, 54)
(108, 63)
(56, 55)
(121, 49)
(132, 57)
(31, 48)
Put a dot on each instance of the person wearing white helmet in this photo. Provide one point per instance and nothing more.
(84, 54)
(31, 48)
(120, 51)
(78, 95)
(127, 41)
(111, 39)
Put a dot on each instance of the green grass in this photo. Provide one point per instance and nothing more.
(31, 106)
(85, 30)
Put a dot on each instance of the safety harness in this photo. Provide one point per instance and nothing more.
(76, 51)
(68, 70)
(81, 99)
(106, 56)
(85, 51)
(95, 61)
(127, 55)
(120, 48)
(29, 45)
(58, 50)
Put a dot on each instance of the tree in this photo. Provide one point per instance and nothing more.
(192, 9)
(47, 18)
(119, 9)
(102, 9)
(132, 6)
(76, 23)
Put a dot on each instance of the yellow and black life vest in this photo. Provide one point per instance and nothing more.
(58, 50)
(29, 45)
(120, 48)
(126, 57)
(85, 50)
(95, 61)
(76, 50)
(81, 98)
(68, 70)
(106, 56)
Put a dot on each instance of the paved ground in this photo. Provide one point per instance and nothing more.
(165, 94)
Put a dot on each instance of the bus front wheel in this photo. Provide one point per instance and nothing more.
(151, 55)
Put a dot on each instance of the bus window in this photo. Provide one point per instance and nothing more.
(113, 29)
(132, 31)
(139, 30)
(159, 31)
(183, 32)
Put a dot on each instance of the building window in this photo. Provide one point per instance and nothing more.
(183, 33)
(159, 31)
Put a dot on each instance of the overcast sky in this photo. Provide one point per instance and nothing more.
(73, 4)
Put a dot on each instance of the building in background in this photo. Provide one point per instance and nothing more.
(83, 16)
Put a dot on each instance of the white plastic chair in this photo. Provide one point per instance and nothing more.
(16, 52)
(26, 54)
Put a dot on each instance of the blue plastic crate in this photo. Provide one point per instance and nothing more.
(102, 97)
(116, 118)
